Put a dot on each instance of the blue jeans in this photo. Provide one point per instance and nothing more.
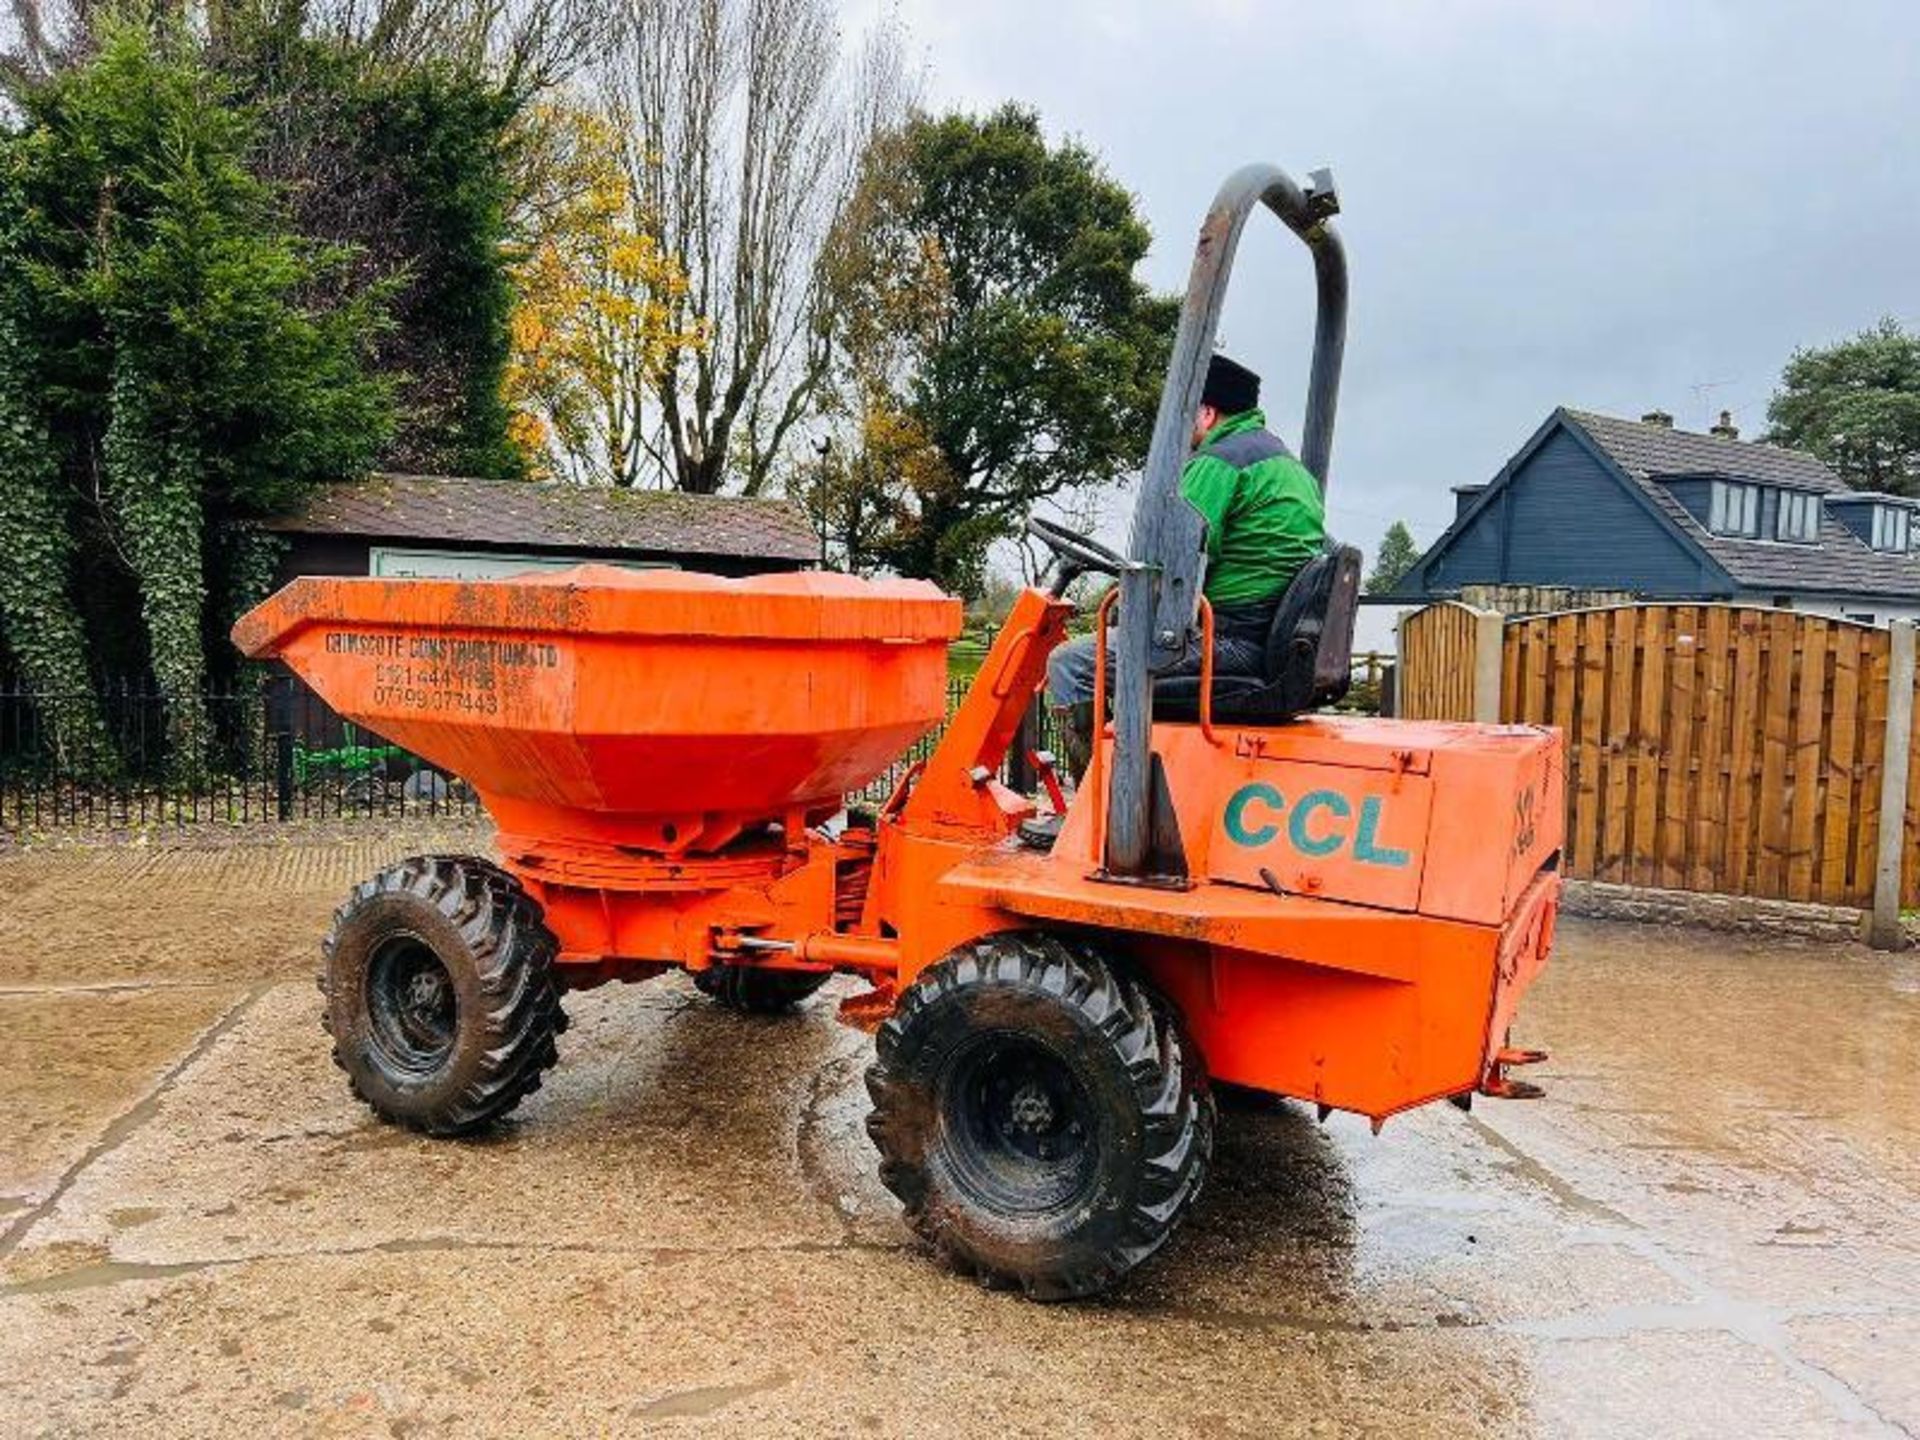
(1239, 648)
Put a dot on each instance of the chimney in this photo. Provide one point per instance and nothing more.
(1725, 429)
(1464, 497)
(1657, 417)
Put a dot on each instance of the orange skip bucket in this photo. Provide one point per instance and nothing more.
(647, 710)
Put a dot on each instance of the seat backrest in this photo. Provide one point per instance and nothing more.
(1333, 664)
(1310, 647)
(1308, 659)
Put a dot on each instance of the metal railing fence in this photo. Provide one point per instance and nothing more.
(267, 751)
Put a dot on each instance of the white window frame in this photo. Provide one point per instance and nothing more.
(1798, 519)
(1733, 509)
(1892, 528)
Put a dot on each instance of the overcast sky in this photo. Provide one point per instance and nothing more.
(1618, 205)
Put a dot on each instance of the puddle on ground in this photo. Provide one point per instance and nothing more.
(686, 1404)
(1726, 1042)
(374, 1136)
(105, 1272)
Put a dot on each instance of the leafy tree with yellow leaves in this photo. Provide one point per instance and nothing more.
(599, 314)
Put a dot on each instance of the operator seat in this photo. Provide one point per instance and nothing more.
(1309, 655)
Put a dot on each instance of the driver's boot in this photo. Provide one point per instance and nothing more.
(1074, 725)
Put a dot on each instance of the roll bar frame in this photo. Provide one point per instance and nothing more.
(1160, 587)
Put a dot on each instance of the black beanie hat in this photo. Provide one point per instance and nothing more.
(1231, 387)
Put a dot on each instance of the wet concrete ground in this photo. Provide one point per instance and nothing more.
(1710, 1226)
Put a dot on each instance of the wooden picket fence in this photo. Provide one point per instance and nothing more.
(1730, 749)
(1436, 663)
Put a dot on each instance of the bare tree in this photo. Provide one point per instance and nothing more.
(746, 122)
(40, 39)
(529, 46)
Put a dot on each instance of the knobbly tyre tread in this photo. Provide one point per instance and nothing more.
(1168, 1090)
(753, 990)
(504, 1044)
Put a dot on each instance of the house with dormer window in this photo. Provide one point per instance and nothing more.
(1594, 504)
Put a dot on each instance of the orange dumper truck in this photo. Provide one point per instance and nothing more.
(1341, 910)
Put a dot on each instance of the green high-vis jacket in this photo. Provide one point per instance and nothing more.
(1265, 517)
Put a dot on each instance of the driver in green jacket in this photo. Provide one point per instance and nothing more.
(1265, 520)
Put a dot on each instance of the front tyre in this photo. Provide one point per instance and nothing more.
(1040, 1115)
(441, 999)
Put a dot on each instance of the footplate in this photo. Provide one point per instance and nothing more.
(1501, 1086)
(1525, 942)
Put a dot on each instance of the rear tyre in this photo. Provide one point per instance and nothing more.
(1041, 1116)
(441, 998)
(753, 990)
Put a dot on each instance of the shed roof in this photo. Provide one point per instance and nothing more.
(526, 515)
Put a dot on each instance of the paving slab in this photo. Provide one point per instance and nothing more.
(75, 1066)
(1710, 1226)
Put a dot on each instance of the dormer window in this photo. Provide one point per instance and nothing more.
(1880, 522)
(1734, 509)
(1890, 527)
(1799, 517)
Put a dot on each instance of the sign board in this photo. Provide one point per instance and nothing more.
(1331, 831)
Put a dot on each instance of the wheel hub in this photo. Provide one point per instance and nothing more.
(1018, 1123)
(1031, 1111)
(411, 1005)
(426, 993)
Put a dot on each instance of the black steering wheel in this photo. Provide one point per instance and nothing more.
(1075, 553)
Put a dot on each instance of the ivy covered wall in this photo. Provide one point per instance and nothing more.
(226, 276)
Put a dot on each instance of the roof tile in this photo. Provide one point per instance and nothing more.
(545, 516)
(1840, 563)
